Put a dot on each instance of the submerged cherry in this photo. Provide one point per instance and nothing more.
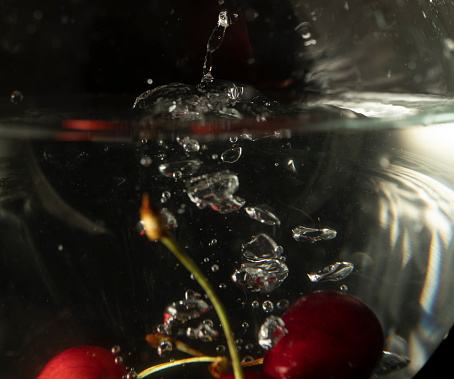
(83, 362)
(330, 335)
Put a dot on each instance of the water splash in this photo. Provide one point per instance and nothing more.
(225, 19)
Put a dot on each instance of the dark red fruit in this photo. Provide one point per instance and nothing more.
(330, 335)
(83, 362)
(247, 375)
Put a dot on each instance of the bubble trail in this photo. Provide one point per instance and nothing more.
(225, 19)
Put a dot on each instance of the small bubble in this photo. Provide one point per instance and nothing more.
(255, 304)
(245, 325)
(149, 81)
(249, 346)
(222, 285)
(215, 268)
(343, 288)
(214, 241)
(214, 156)
(165, 196)
(190, 295)
(239, 341)
(116, 349)
(177, 175)
(60, 247)
(220, 349)
(145, 161)
(16, 97)
(279, 250)
(118, 360)
(209, 322)
(233, 139)
(131, 375)
(283, 304)
(247, 358)
(268, 306)
(276, 164)
(206, 259)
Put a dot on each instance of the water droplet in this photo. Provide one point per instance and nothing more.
(166, 195)
(118, 360)
(225, 19)
(255, 304)
(215, 268)
(261, 246)
(220, 349)
(283, 304)
(304, 29)
(146, 161)
(185, 168)
(268, 306)
(16, 97)
(164, 347)
(247, 358)
(115, 350)
(231, 155)
(263, 215)
(185, 310)
(204, 332)
(313, 235)
(391, 362)
(177, 175)
(216, 191)
(334, 272)
(271, 331)
(190, 145)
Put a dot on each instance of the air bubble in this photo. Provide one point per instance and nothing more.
(145, 161)
(213, 242)
(177, 175)
(164, 347)
(247, 358)
(131, 375)
(283, 304)
(222, 285)
(215, 268)
(255, 304)
(118, 360)
(233, 139)
(116, 350)
(16, 97)
(165, 196)
(245, 325)
(344, 288)
(268, 306)
(220, 349)
(60, 247)
(249, 346)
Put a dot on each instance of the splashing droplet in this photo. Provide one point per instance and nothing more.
(225, 19)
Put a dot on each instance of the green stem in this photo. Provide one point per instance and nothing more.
(163, 366)
(187, 262)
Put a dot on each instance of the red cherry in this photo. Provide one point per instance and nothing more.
(330, 335)
(83, 362)
(247, 375)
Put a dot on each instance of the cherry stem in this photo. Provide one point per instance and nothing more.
(179, 362)
(155, 229)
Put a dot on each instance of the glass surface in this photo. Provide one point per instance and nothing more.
(358, 146)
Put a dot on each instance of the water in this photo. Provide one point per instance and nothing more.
(79, 271)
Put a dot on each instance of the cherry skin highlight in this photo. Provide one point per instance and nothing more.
(330, 335)
(83, 362)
